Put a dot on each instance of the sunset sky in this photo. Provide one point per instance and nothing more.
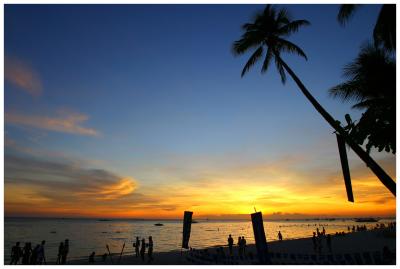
(140, 111)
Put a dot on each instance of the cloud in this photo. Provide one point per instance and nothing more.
(65, 122)
(22, 75)
(41, 187)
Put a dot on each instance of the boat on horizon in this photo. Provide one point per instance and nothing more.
(104, 220)
(158, 224)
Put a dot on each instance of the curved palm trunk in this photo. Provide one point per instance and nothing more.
(379, 172)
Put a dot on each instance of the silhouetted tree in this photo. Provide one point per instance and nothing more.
(385, 27)
(371, 85)
(266, 34)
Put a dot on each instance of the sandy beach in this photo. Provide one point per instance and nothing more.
(351, 248)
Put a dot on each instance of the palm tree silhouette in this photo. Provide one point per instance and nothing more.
(385, 26)
(268, 32)
(371, 84)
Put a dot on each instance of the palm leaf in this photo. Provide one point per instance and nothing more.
(267, 60)
(293, 27)
(346, 11)
(288, 46)
(253, 59)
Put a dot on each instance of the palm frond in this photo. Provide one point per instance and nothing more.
(253, 59)
(288, 46)
(267, 60)
(346, 11)
(385, 28)
(347, 91)
(248, 41)
(283, 16)
(293, 27)
(280, 68)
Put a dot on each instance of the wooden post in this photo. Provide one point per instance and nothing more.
(345, 167)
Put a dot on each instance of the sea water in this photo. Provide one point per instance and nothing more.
(87, 235)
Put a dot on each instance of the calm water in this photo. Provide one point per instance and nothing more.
(87, 235)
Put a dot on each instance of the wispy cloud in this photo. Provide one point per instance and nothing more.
(22, 75)
(41, 187)
(65, 122)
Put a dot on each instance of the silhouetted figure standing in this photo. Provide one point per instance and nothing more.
(34, 255)
(230, 244)
(240, 247)
(65, 252)
(16, 253)
(40, 254)
(143, 249)
(26, 253)
(280, 236)
(314, 240)
(318, 233)
(328, 242)
(60, 253)
(91, 257)
(323, 230)
(137, 245)
(353, 229)
(150, 250)
(348, 228)
(319, 243)
(244, 246)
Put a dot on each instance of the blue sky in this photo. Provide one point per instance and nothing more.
(156, 87)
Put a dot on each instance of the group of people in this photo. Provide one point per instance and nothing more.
(63, 250)
(36, 256)
(27, 255)
(317, 238)
(241, 245)
(140, 248)
(359, 228)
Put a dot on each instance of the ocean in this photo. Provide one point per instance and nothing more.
(87, 235)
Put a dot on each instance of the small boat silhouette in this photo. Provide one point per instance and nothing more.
(158, 224)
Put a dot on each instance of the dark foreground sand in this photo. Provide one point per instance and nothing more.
(351, 248)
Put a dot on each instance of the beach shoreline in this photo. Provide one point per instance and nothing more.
(371, 241)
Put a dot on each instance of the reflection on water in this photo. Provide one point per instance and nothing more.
(86, 235)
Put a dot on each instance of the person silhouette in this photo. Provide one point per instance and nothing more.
(230, 244)
(329, 242)
(143, 249)
(26, 254)
(323, 230)
(91, 257)
(314, 240)
(280, 236)
(40, 253)
(244, 246)
(60, 253)
(65, 252)
(34, 255)
(150, 250)
(16, 253)
(137, 245)
(240, 247)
